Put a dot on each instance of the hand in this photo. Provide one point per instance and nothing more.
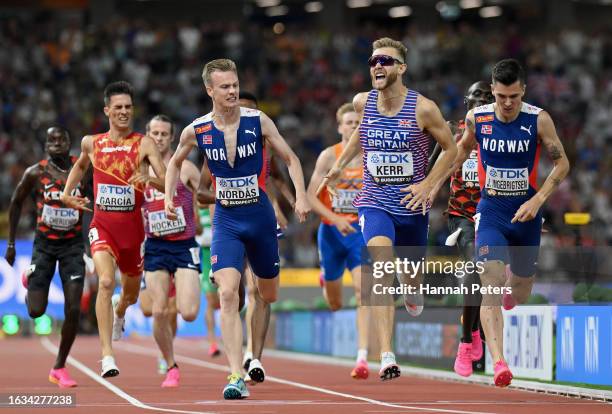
(9, 255)
(528, 210)
(139, 179)
(302, 208)
(78, 203)
(418, 196)
(343, 226)
(330, 180)
(281, 219)
(170, 209)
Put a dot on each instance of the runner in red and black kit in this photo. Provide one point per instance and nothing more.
(121, 160)
(58, 240)
(463, 199)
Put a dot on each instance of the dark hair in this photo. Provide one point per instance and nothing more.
(117, 88)
(60, 129)
(248, 96)
(508, 71)
(162, 118)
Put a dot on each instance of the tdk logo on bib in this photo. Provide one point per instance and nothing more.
(115, 197)
(507, 181)
(238, 182)
(60, 218)
(237, 191)
(390, 168)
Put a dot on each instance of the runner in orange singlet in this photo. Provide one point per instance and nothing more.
(121, 160)
(339, 238)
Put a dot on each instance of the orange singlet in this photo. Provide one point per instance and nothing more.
(117, 225)
(347, 189)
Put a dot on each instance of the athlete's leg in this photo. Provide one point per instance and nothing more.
(490, 311)
(187, 293)
(381, 250)
(172, 315)
(261, 314)
(72, 273)
(251, 291)
(158, 286)
(105, 268)
(146, 303)
(228, 280)
(130, 287)
(72, 311)
(363, 312)
(212, 303)
(332, 257)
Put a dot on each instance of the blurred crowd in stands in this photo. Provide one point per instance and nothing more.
(54, 71)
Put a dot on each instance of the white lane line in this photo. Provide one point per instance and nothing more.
(137, 349)
(46, 343)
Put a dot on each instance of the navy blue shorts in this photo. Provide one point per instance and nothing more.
(515, 243)
(246, 230)
(171, 255)
(402, 230)
(338, 252)
(408, 231)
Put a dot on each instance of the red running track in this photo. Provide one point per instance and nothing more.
(291, 386)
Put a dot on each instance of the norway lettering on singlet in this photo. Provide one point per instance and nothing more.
(54, 220)
(117, 205)
(395, 155)
(244, 183)
(464, 187)
(508, 154)
(347, 189)
(157, 225)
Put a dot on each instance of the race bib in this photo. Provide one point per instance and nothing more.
(342, 202)
(238, 191)
(60, 218)
(469, 171)
(159, 225)
(112, 197)
(390, 167)
(507, 181)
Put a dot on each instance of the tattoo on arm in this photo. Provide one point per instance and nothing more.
(556, 181)
(555, 152)
(469, 124)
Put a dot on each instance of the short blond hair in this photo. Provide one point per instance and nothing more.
(220, 65)
(345, 108)
(388, 42)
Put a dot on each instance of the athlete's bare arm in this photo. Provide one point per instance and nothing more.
(205, 196)
(77, 172)
(350, 151)
(430, 119)
(24, 189)
(282, 149)
(324, 163)
(186, 144)
(464, 148)
(150, 156)
(549, 138)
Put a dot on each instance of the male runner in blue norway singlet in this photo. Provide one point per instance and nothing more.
(232, 140)
(394, 132)
(508, 221)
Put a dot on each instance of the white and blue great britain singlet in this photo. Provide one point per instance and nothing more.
(395, 155)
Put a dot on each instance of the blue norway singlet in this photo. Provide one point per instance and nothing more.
(244, 184)
(395, 155)
(508, 154)
(244, 221)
